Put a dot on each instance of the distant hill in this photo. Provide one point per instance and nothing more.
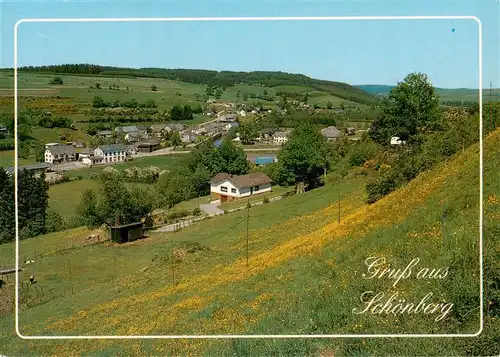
(214, 78)
(452, 95)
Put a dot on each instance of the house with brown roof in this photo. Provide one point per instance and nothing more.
(227, 187)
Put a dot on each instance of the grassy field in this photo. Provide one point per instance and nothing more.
(303, 276)
(165, 162)
(65, 197)
(7, 159)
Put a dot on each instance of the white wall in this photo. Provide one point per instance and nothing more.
(111, 157)
(48, 157)
(244, 192)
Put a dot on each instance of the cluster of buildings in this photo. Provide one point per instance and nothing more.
(56, 153)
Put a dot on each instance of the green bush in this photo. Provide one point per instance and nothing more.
(196, 211)
(265, 200)
(383, 185)
(56, 80)
(362, 152)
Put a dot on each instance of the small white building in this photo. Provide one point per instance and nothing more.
(243, 113)
(111, 153)
(92, 160)
(226, 187)
(395, 140)
(59, 153)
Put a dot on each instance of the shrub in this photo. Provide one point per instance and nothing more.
(154, 88)
(56, 80)
(196, 211)
(383, 185)
(265, 200)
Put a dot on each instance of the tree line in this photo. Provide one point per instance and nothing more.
(32, 209)
(214, 78)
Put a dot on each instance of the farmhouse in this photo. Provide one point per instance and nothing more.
(60, 153)
(228, 187)
(148, 146)
(111, 153)
(331, 133)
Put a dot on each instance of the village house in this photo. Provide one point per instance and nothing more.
(331, 133)
(148, 146)
(227, 117)
(131, 149)
(134, 137)
(105, 134)
(233, 124)
(58, 153)
(281, 137)
(227, 187)
(187, 136)
(158, 130)
(213, 128)
(199, 130)
(111, 153)
(170, 128)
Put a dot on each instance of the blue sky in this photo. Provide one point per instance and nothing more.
(356, 52)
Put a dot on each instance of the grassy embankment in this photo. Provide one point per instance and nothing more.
(304, 274)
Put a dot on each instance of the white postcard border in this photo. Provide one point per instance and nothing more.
(314, 18)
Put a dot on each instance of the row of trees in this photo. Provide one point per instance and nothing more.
(221, 79)
(32, 208)
(184, 113)
(115, 202)
(98, 102)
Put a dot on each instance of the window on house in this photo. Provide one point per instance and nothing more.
(223, 188)
(233, 190)
(256, 188)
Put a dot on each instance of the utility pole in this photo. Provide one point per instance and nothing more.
(443, 227)
(70, 277)
(248, 217)
(172, 261)
(116, 278)
(491, 108)
(338, 199)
